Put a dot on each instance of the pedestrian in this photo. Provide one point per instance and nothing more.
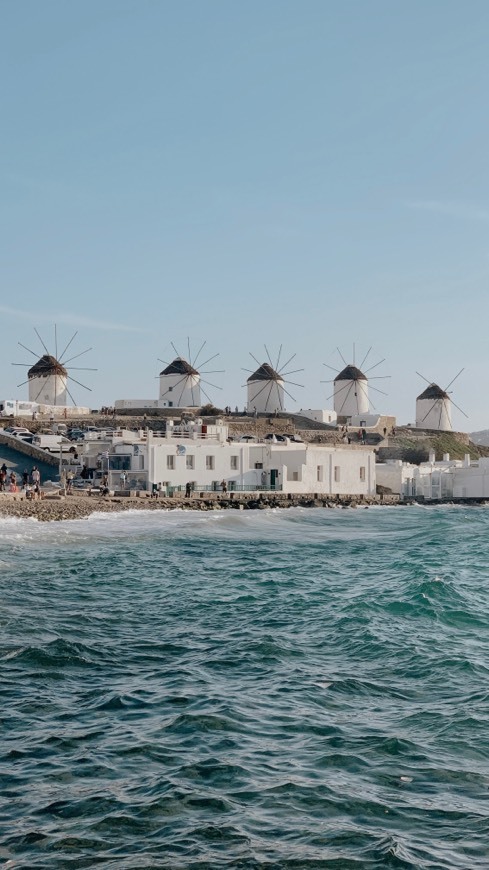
(35, 476)
(12, 482)
(25, 477)
(188, 489)
(224, 486)
(4, 468)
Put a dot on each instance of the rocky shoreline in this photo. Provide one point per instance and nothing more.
(75, 507)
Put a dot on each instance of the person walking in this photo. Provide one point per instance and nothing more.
(36, 476)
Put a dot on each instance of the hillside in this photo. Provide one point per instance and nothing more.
(410, 446)
(481, 437)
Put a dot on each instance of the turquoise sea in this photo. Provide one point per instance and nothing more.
(274, 689)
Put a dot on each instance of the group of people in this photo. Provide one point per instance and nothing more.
(31, 482)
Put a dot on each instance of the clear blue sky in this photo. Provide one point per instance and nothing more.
(310, 174)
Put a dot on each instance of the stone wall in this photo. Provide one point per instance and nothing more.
(28, 449)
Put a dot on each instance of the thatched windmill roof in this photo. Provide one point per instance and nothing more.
(433, 392)
(350, 373)
(47, 365)
(179, 366)
(264, 373)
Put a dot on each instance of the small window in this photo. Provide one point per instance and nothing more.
(170, 404)
(234, 463)
(258, 464)
(190, 462)
(337, 473)
(362, 472)
(320, 472)
(170, 389)
(170, 462)
(209, 463)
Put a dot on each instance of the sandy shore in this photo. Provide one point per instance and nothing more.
(72, 507)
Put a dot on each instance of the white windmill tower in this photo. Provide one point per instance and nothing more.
(266, 386)
(48, 377)
(48, 380)
(181, 382)
(434, 406)
(351, 387)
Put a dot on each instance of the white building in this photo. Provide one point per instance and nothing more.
(434, 409)
(47, 382)
(323, 415)
(434, 480)
(202, 455)
(351, 392)
(265, 391)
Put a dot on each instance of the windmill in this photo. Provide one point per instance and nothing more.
(351, 387)
(48, 378)
(434, 406)
(266, 385)
(181, 382)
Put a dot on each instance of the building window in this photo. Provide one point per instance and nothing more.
(170, 462)
(258, 464)
(170, 389)
(170, 404)
(295, 475)
(337, 473)
(234, 463)
(190, 462)
(362, 472)
(209, 463)
(320, 473)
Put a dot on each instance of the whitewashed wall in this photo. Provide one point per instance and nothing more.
(398, 476)
(324, 415)
(48, 389)
(180, 391)
(434, 414)
(350, 398)
(296, 468)
(266, 396)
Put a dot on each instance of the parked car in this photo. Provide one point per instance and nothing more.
(17, 430)
(76, 434)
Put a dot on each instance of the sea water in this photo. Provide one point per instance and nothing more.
(275, 689)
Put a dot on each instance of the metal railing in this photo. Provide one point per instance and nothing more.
(250, 487)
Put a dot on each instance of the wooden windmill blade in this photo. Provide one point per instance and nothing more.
(190, 384)
(351, 385)
(50, 365)
(267, 384)
(441, 402)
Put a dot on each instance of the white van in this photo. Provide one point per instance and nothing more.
(53, 443)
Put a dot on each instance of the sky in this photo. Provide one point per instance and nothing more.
(311, 175)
